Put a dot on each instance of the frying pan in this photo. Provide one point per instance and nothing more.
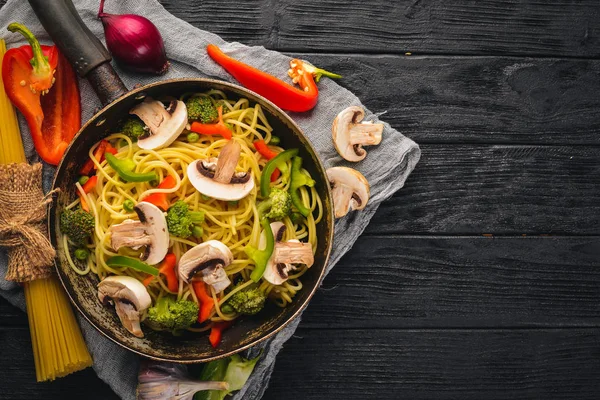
(92, 61)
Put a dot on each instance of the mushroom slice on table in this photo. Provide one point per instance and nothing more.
(164, 124)
(150, 231)
(285, 255)
(349, 189)
(130, 298)
(209, 259)
(216, 177)
(350, 134)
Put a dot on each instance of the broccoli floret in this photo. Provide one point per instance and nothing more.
(277, 206)
(78, 225)
(201, 109)
(172, 315)
(181, 221)
(249, 301)
(134, 128)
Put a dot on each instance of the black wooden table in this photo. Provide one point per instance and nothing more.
(480, 279)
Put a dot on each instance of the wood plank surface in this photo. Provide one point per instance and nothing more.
(495, 100)
(11, 316)
(476, 189)
(514, 27)
(438, 364)
(560, 28)
(461, 282)
(18, 374)
(384, 364)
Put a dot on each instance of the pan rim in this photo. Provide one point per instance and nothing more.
(330, 221)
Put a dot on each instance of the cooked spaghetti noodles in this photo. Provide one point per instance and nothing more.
(234, 223)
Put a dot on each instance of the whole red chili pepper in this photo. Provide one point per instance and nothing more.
(284, 95)
(34, 70)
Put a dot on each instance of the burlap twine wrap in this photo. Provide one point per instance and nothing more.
(23, 208)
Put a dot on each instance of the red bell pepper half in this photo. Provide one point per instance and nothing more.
(41, 83)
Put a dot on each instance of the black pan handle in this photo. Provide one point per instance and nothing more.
(83, 50)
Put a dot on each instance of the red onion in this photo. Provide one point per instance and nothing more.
(134, 42)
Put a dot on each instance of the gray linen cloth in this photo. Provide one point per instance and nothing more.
(386, 167)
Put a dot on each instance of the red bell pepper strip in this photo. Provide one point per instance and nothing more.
(28, 73)
(161, 200)
(206, 301)
(107, 149)
(267, 153)
(87, 187)
(167, 268)
(111, 150)
(218, 128)
(216, 332)
(284, 95)
(98, 155)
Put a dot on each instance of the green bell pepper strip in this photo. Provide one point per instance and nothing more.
(299, 179)
(261, 257)
(265, 178)
(122, 261)
(125, 169)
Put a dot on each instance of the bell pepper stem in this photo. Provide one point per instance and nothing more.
(321, 73)
(39, 62)
(318, 73)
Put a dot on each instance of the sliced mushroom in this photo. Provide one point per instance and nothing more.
(350, 134)
(350, 190)
(130, 298)
(294, 252)
(150, 231)
(285, 255)
(216, 177)
(164, 125)
(209, 259)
